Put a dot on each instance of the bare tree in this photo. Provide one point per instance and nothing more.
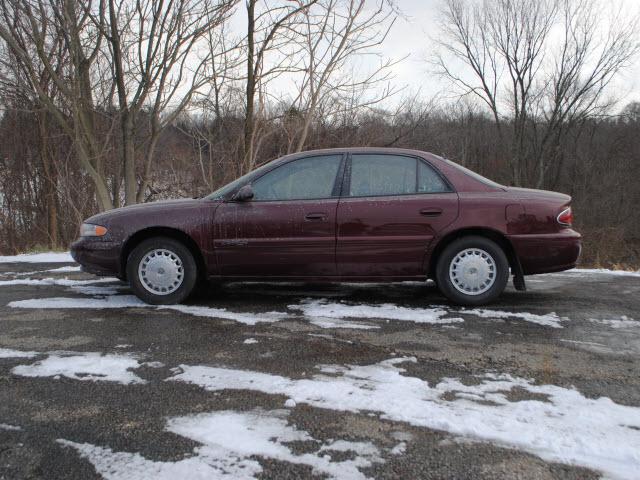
(333, 34)
(219, 107)
(58, 39)
(160, 61)
(528, 81)
(592, 53)
(266, 28)
(13, 93)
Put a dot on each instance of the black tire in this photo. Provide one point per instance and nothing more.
(445, 283)
(189, 271)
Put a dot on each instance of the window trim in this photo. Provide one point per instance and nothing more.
(346, 184)
(337, 181)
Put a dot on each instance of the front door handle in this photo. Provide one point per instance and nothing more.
(431, 212)
(316, 217)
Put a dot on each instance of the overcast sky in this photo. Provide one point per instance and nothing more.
(411, 37)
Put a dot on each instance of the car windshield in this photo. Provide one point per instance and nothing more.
(473, 174)
(222, 192)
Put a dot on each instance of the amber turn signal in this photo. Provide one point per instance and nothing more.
(90, 230)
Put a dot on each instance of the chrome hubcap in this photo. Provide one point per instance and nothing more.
(472, 271)
(161, 272)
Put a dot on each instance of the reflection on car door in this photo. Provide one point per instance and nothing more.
(288, 229)
(391, 208)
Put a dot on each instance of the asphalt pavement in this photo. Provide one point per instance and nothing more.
(266, 380)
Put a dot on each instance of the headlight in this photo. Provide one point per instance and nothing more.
(90, 230)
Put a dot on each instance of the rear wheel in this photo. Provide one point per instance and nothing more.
(162, 271)
(472, 271)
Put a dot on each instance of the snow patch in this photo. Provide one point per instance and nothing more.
(64, 282)
(13, 428)
(9, 353)
(126, 466)
(228, 440)
(68, 268)
(130, 301)
(566, 427)
(399, 449)
(361, 448)
(578, 342)
(250, 341)
(548, 320)
(98, 291)
(47, 257)
(601, 271)
(622, 322)
(92, 366)
(115, 301)
(339, 323)
(240, 317)
(386, 311)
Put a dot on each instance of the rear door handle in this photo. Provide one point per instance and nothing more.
(317, 217)
(431, 212)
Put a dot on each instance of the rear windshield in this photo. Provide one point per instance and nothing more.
(473, 174)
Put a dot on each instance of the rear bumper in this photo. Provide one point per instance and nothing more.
(547, 253)
(100, 257)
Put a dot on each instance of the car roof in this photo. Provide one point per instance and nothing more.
(405, 151)
(333, 151)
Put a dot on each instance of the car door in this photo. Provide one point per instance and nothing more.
(391, 208)
(288, 229)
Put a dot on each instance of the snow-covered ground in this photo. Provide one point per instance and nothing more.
(565, 427)
(557, 424)
(107, 299)
(228, 442)
(319, 312)
(85, 366)
(602, 271)
(46, 257)
(11, 353)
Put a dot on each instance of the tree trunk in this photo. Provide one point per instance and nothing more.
(129, 160)
(249, 121)
(144, 182)
(50, 183)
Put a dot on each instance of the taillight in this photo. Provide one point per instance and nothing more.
(565, 217)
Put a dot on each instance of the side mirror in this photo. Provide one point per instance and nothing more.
(244, 194)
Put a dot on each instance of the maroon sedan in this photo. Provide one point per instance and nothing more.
(353, 214)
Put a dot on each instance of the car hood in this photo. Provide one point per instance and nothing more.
(146, 208)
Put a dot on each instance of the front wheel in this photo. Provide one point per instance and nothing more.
(161, 271)
(472, 271)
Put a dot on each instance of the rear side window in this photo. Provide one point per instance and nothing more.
(429, 181)
(304, 179)
(388, 175)
(373, 175)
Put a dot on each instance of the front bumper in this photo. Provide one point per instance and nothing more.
(546, 253)
(97, 256)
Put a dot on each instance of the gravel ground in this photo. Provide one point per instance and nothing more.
(342, 381)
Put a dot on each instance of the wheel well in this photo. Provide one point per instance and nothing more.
(494, 235)
(134, 240)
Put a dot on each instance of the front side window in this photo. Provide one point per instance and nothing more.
(307, 178)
